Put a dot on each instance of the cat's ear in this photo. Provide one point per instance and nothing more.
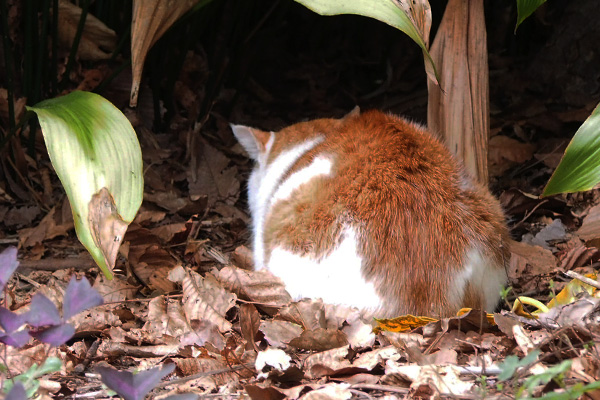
(254, 141)
(354, 113)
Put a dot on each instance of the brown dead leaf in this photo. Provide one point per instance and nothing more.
(319, 339)
(151, 19)
(333, 359)
(443, 379)
(209, 175)
(106, 225)
(192, 366)
(242, 258)
(249, 324)
(373, 358)
(97, 41)
(590, 228)
(264, 393)
(528, 260)
(279, 333)
(168, 200)
(149, 261)
(330, 391)
(51, 226)
(166, 316)
(581, 313)
(204, 298)
(258, 286)
(18, 217)
(505, 152)
(166, 232)
(308, 313)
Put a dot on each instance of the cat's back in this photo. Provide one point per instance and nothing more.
(379, 159)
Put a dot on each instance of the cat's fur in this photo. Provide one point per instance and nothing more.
(371, 211)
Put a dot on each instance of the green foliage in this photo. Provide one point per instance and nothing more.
(93, 146)
(512, 363)
(571, 393)
(525, 8)
(29, 379)
(579, 168)
(385, 11)
(555, 373)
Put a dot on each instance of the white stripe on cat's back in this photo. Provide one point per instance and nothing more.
(320, 166)
(263, 183)
(337, 278)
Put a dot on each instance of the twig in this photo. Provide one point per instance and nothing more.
(55, 264)
(584, 279)
(381, 388)
(206, 373)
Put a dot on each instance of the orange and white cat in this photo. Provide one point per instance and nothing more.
(371, 211)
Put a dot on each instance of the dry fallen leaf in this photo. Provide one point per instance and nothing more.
(204, 298)
(97, 41)
(151, 19)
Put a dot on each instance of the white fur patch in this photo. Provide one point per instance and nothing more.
(262, 184)
(337, 279)
(319, 166)
(484, 275)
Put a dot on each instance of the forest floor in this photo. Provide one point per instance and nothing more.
(184, 292)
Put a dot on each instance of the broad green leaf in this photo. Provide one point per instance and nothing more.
(579, 168)
(391, 12)
(525, 8)
(97, 157)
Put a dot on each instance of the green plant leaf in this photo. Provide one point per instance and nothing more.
(579, 168)
(97, 157)
(525, 8)
(386, 11)
(511, 363)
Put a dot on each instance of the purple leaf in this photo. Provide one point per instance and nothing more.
(15, 339)
(42, 312)
(79, 296)
(17, 392)
(11, 321)
(8, 265)
(55, 335)
(133, 386)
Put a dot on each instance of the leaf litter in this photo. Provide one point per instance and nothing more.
(184, 294)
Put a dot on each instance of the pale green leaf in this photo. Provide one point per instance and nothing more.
(383, 10)
(579, 168)
(525, 8)
(93, 146)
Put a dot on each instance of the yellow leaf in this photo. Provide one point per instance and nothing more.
(402, 324)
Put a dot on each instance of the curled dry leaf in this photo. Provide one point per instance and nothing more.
(373, 358)
(209, 175)
(192, 366)
(320, 339)
(334, 359)
(97, 40)
(151, 19)
(205, 299)
(258, 286)
(330, 391)
(308, 313)
(51, 226)
(529, 260)
(443, 379)
(279, 333)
